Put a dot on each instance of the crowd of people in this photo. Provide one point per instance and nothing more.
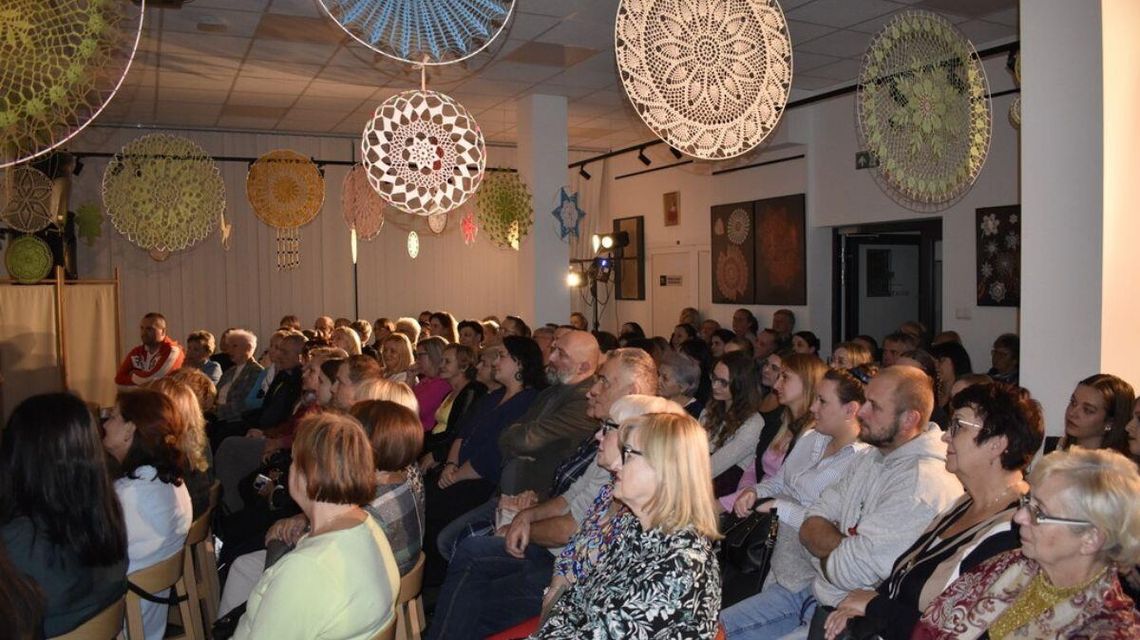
(563, 483)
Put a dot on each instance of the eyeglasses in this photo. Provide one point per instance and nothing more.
(628, 451)
(608, 426)
(957, 423)
(1039, 517)
(718, 381)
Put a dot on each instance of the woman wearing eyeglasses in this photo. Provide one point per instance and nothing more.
(1079, 521)
(731, 419)
(660, 579)
(432, 388)
(992, 436)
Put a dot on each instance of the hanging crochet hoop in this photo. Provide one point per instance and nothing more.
(924, 110)
(413, 245)
(163, 193)
(424, 152)
(61, 62)
(28, 259)
(437, 223)
(362, 208)
(26, 198)
(429, 32)
(710, 77)
(286, 191)
(506, 209)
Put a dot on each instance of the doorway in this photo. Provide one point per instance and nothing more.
(887, 274)
(673, 288)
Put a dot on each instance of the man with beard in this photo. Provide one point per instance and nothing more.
(494, 582)
(157, 356)
(870, 516)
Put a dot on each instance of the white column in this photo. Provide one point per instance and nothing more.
(542, 160)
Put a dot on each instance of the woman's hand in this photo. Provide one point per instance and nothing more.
(447, 478)
(853, 606)
(744, 502)
(288, 530)
(427, 462)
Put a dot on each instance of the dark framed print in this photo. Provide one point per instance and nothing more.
(671, 206)
(781, 251)
(999, 256)
(630, 259)
(733, 253)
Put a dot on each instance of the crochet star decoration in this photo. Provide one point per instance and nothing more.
(568, 214)
(469, 228)
(89, 219)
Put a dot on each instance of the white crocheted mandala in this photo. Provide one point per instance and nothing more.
(424, 152)
(710, 77)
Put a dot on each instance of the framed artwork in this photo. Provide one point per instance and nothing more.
(630, 259)
(672, 208)
(999, 256)
(733, 253)
(781, 251)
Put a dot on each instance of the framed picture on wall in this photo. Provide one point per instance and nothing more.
(672, 208)
(999, 256)
(733, 253)
(781, 251)
(629, 268)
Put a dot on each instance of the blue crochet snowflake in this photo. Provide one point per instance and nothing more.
(568, 214)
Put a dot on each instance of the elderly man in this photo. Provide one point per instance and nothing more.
(496, 582)
(157, 356)
(896, 344)
(285, 388)
(237, 381)
(323, 327)
(784, 323)
(864, 521)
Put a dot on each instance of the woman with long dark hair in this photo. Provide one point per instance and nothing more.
(59, 517)
(731, 419)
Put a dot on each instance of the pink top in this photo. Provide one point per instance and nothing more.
(771, 462)
(430, 393)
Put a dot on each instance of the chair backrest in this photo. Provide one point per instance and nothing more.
(199, 529)
(412, 584)
(388, 632)
(105, 625)
(215, 494)
(159, 576)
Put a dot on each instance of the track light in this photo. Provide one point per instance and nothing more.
(676, 154)
(582, 172)
(643, 158)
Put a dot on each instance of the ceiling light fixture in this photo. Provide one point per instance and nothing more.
(643, 158)
(676, 154)
(582, 172)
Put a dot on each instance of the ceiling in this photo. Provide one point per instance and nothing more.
(283, 65)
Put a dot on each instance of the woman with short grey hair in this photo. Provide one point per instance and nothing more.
(678, 377)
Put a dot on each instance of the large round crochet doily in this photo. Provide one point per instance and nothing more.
(28, 259)
(422, 31)
(924, 110)
(424, 153)
(163, 193)
(710, 77)
(363, 209)
(26, 196)
(285, 189)
(506, 210)
(61, 62)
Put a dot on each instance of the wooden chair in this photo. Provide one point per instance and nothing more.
(166, 574)
(197, 564)
(388, 632)
(410, 620)
(106, 624)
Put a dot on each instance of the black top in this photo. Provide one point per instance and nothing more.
(74, 593)
(772, 420)
(280, 398)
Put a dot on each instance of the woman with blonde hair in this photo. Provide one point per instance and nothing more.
(660, 578)
(192, 442)
(397, 357)
(848, 355)
(1079, 521)
(432, 388)
(346, 338)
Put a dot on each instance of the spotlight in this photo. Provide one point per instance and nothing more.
(609, 241)
(643, 158)
(574, 279)
(582, 172)
(676, 154)
(602, 268)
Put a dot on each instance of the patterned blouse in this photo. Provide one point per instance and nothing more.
(651, 585)
(596, 534)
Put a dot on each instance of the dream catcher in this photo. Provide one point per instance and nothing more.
(26, 199)
(506, 211)
(286, 191)
(61, 62)
(710, 77)
(924, 110)
(163, 193)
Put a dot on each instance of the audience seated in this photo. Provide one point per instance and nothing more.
(471, 334)
(1005, 358)
(199, 348)
(994, 433)
(926, 363)
(1078, 520)
(410, 328)
(681, 333)
(744, 323)
(60, 520)
(872, 346)
(784, 323)
(953, 363)
(341, 580)
(323, 326)
(771, 410)
(459, 369)
(708, 328)
(221, 357)
(578, 321)
(678, 378)
(848, 355)
(491, 331)
(731, 419)
(1098, 411)
(720, 339)
(284, 388)
(432, 388)
(363, 329)
(895, 345)
(156, 357)
(443, 325)
(350, 375)
(917, 330)
(544, 337)
(514, 326)
(699, 351)
(142, 435)
(397, 356)
(237, 381)
(805, 342)
(192, 442)
(382, 328)
(346, 339)
(765, 344)
(743, 344)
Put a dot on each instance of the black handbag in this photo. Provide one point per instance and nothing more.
(747, 555)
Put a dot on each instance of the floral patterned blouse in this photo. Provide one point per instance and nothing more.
(649, 585)
(596, 534)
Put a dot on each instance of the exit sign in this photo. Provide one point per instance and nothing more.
(670, 281)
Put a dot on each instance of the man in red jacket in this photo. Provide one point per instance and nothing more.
(156, 357)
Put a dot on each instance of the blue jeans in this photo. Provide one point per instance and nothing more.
(772, 613)
(488, 590)
(454, 532)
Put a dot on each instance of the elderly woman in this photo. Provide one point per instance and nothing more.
(458, 368)
(1098, 411)
(341, 580)
(1079, 521)
(994, 433)
(432, 388)
(142, 436)
(660, 578)
(199, 348)
(59, 518)
(678, 377)
(237, 381)
(397, 357)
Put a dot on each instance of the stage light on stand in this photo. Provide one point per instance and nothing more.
(609, 241)
(574, 279)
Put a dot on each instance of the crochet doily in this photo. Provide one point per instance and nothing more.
(506, 211)
(739, 226)
(424, 152)
(26, 197)
(61, 62)
(732, 273)
(924, 110)
(568, 214)
(710, 77)
(285, 189)
(363, 209)
(413, 244)
(422, 31)
(163, 193)
(28, 259)
(437, 223)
